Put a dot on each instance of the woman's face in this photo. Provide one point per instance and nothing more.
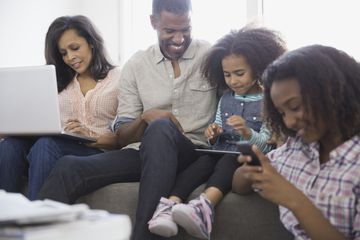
(238, 74)
(287, 99)
(75, 51)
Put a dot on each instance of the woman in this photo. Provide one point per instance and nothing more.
(311, 96)
(88, 91)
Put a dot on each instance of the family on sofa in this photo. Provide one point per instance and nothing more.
(298, 110)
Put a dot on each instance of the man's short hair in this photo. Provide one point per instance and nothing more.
(174, 6)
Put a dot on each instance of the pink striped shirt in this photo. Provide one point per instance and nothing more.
(334, 186)
(97, 108)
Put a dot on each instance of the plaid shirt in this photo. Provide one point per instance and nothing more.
(334, 186)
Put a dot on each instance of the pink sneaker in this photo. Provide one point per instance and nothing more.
(196, 217)
(161, 222)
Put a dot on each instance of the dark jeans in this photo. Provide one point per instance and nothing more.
(38, 156)
(13, 162)
(75, 176)
(164, 152)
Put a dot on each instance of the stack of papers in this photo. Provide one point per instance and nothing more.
(51, 220)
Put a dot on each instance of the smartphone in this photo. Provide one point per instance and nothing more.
(245, 148)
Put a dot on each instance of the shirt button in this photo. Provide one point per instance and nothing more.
(175, 90)
(242, 104)
(203, 86)
(254, 118)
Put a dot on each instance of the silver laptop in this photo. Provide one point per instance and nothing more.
(29, 104)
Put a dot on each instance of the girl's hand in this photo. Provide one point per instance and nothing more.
(75, 126)
(239, 124)
(213, 131)
(268, 182)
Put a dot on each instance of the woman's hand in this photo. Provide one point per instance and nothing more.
(75, 126)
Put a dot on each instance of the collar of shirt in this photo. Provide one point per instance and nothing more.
(188, 54)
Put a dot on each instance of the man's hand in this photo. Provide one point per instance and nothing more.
(106, 141)
(155, 114)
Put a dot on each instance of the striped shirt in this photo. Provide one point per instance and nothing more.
(97, 108)
(334, 186)
(258, 138)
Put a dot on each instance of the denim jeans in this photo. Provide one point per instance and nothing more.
(38, 156)
(75, 176)
(45, 153)
(13, 162)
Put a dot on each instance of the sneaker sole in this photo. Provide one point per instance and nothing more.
(182, 216)
(163, 229)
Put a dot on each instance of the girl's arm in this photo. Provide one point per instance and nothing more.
(275, 188)
(260, 139)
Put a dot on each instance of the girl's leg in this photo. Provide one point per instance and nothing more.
(196, 217)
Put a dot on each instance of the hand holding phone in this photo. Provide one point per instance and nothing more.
(245, 149)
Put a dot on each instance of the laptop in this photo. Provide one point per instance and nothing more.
(29, 104)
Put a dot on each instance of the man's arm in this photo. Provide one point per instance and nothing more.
(132, 132)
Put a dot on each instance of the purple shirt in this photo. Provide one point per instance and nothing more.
(334, 186)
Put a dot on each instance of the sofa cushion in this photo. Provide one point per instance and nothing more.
(237, 216)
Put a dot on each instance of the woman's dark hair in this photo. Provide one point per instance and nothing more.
(99, 66)
(329, 81)
(259, 46)
(174, 6)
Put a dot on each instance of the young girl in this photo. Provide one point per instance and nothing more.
(311, 95)
(235, 64)
(88, 92)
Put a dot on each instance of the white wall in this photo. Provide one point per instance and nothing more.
(23, 26)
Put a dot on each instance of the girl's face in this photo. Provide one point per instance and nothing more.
(238, 74)
(287, 99)
(75, 51)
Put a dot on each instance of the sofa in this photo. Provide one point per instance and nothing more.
(237, 216)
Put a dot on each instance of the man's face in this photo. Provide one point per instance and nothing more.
(174, 33)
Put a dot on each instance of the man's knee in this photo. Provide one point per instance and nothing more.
(160, 127)
(66, 165)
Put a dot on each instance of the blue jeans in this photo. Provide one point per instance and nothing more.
(38, 156)
(13, 162)
(45, 153)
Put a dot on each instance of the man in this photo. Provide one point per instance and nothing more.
(165, 103)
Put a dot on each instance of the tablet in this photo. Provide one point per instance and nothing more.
(205, 150)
